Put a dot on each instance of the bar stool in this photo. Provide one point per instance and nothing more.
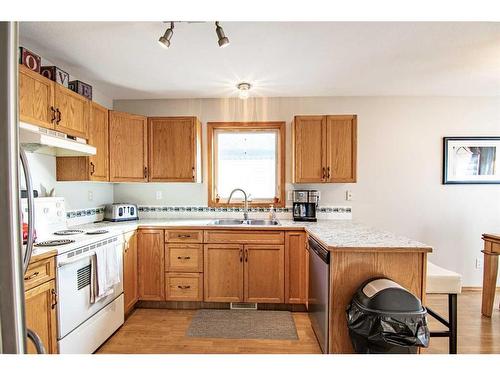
(442, 281)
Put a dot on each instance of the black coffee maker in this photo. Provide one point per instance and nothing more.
(305, 203)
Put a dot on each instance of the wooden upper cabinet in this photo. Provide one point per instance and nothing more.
(324, 148)
(223, 273)
(174, 149)
(151, 265)
(296, 265)
(40, 311)
(130, 282)
(74, 112)
(36, 98)
(89, 168)
(309, 149)
(98, 137)
(341, 139)
(128, 147)
(264, 278)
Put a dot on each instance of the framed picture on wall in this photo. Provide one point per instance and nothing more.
(471, 160)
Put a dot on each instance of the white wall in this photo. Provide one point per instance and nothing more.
(399, 165)
(76, 194)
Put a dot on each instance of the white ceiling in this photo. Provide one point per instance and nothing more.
(124, 60)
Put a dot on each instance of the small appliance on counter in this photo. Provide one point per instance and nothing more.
(305, 203)
(120, 212)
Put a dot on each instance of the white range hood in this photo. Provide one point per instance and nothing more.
(50, 142)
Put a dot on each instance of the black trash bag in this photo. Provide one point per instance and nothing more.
(376, 332)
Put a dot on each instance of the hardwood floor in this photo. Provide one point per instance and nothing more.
(163, 331)
(476, 334)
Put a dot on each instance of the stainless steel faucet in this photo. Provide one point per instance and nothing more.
(245, 212)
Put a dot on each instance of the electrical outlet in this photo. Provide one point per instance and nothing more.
(290, 197)
(479, 263)
(90, 195)
(348, 195)
(159, 195)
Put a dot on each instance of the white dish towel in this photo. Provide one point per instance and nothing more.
(105, 272)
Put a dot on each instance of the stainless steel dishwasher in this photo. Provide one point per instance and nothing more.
(319, 291)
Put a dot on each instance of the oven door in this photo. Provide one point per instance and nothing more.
(73, 285)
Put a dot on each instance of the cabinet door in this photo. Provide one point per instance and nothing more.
(41, 315)
(130, 285)
(295, 267)
(128, 147)
(264, 277)
(309, 149)
(173, 149)
(341, 148)
(74, 112)
(151, 265)
(36, 97)
(98, 137)
(223, 273)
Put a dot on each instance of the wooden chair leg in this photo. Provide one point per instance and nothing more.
(452, 320)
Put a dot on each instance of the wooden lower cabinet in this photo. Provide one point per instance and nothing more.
(40, 311)
(130, 281)
(264, 270)
(151, 269)
(296, 267)
(184, 286)
(223, 272)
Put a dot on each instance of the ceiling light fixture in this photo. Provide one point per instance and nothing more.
(223, 39)
(244, 90)
(165, 38)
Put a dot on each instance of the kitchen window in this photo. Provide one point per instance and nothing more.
(249, 156)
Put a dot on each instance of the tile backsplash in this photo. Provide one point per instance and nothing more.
(89, 215)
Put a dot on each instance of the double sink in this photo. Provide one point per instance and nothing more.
(244, 222)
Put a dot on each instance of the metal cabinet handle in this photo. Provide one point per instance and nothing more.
(92, 171)
(54, 117)
(246, 255)
(58, 120)
(34, 274)
(145, 172)
(193, 173)
(183, 286)
(241, 255)
(328, 172)
(187, 258)
(184, 236)
(323, 176)
(54, 298)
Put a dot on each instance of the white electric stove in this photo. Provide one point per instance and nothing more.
(82, 326)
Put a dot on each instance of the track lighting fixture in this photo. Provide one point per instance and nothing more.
(223, 39)
(165, 38)
(244, 90)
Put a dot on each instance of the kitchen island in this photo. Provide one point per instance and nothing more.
(357, 253)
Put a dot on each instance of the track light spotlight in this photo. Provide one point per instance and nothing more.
(223, 40)
(165, 38)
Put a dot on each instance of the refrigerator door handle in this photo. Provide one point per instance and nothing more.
(31, 215)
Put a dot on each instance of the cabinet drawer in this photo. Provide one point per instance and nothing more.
(183, 258)
(253, 237)
(191, 236)
(38, 273)
(184, 286)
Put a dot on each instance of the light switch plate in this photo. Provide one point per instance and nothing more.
(348, 195)
(159, 195)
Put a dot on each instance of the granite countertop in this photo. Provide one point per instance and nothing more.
(335, 234)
